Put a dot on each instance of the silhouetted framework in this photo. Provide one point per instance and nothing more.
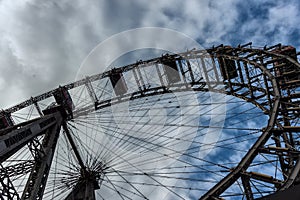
(268, 77)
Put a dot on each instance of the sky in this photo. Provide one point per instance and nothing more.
(43, 43)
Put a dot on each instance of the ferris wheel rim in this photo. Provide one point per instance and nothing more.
(273, 112)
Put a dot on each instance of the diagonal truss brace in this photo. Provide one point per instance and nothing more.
(7, 191)
(247, 187)
(14, 140)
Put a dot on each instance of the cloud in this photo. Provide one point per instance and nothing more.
(271, 23)
(44, 43)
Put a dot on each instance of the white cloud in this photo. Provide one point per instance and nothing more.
(50, 39)
(47, 41)
(280, 20)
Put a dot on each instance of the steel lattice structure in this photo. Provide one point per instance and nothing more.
(267, 78)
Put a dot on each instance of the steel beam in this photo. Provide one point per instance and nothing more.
(74, 146)
(20, 168)
(85, 189)
(91, 90)
(14, 140)
(36, 182)
(232, 177)
(247, 187)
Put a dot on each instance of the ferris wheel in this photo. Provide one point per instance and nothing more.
(219, 123)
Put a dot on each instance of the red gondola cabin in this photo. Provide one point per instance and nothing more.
(227, 66)
(63, 98)
(286, 72)
(5, 120)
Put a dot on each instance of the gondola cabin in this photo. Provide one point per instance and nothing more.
(5, 120)
(118, 83)
(171, 71)
(286, 50)
(63, 98)
(286, 71)
(227, 66)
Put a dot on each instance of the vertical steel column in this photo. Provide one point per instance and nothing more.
(137, 80)
(247, 187)
(190, 71)
(36, 182)
(248, 79)
(83, 190)
(182, 73)
(90, 90)
(141, 78)
(37, 107)
(207, 81)
(159, 76)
